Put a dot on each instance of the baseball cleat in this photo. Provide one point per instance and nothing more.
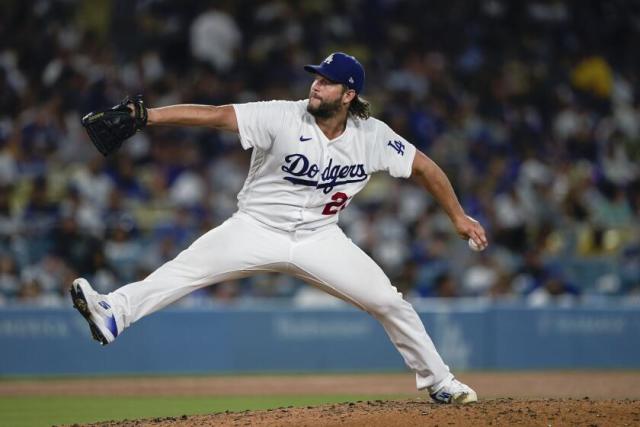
(96, 310)
(455, 392)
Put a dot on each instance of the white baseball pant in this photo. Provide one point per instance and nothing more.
(325, 258)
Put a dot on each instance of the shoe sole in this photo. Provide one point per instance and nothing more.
(462, 399)
(80, 304)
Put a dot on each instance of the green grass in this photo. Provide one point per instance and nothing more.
(25, 411)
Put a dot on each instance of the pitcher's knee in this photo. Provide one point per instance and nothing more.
(387, 304)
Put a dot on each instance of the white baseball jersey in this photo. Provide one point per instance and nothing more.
(299, 179)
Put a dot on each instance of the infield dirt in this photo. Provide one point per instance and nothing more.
(530, 399)
(417, 412)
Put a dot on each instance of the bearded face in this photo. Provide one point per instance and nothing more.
(325, 98)
(324, 109)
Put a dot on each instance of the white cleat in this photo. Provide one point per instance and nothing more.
(454, 392)
(96, 310)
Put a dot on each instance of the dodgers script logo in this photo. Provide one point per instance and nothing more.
(302, 172)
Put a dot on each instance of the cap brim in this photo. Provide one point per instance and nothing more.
(317, 69)
(312, 68)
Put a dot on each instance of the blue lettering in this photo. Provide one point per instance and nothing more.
(298, 167)
(334, 172)
(325, 172)
(398, 146)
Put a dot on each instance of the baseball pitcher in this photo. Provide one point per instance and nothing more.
(309, 159)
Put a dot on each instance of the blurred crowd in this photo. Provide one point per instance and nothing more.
(531, 108)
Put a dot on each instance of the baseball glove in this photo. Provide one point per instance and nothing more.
(109, 128)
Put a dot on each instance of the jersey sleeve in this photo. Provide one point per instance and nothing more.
(390, 152)
(260, 122)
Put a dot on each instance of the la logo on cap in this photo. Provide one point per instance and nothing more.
(329, 59)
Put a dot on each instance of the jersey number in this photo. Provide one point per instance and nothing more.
(339, 200)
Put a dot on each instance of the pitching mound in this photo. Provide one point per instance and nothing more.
(418, 412)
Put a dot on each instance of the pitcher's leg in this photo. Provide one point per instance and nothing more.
(339, 267)
(237, 248)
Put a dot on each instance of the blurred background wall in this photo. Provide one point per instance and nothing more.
(532, 108)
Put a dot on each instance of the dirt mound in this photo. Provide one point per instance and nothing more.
(419, 412)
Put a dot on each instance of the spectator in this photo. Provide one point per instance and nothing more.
(214, 38)
(9, 280)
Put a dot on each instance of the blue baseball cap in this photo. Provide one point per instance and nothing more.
(341, 68)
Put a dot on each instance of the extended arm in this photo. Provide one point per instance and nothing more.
(217, 117)
(434, 180)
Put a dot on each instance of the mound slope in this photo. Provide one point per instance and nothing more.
(418, 412)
